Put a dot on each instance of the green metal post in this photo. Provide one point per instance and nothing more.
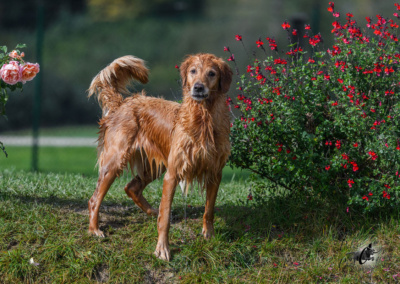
(38, 86)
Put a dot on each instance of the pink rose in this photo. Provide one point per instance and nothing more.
(10, 73)
(29, 71)
(13, 54)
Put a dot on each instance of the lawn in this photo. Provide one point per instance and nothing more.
(44, 221)
(284, 238)
(79, 160)
(76, 160)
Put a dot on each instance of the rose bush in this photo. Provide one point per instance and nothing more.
(14, 72)
(326, 121)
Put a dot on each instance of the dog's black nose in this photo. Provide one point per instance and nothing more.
(198, 87)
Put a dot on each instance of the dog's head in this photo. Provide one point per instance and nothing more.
(205, 76)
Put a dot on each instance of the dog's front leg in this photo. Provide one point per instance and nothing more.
(169, 184)
(208, 217)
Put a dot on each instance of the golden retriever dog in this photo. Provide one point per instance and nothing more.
(188, 141)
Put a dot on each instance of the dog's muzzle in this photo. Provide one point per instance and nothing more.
(199, 92)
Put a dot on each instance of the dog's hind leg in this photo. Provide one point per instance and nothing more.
(106, 178)
(134, 189)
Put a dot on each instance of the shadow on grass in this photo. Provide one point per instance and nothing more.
(303, 217)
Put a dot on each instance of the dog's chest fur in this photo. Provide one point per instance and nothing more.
(198, 153)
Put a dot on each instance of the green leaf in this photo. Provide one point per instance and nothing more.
(23, 45)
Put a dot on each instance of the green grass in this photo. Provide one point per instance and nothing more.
(76, 160)
(69, 131)
(52, 159)
(286, 239)
(283, 239)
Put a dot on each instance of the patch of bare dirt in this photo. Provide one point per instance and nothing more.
(101, 273)
(159, 276)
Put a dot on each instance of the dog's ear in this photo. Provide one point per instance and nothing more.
(225, 79)
(183, 70)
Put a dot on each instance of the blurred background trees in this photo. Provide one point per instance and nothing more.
(83, 36)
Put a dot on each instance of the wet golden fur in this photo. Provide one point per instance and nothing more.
(190, 141)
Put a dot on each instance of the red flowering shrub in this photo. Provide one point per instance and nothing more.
(328, 121)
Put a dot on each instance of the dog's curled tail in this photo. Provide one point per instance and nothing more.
(111, 82)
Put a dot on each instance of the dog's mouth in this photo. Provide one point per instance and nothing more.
(199, 91)
(199, 96)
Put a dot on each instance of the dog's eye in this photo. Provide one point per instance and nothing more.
(211, 73)
(193, 71)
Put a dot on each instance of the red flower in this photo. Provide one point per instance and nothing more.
(307, 27)
(226, 48)
(238, 37)
(176, 66)
(327, 167)
(285, 25)
(385, 194)
(350, 182)
(355, 145)
(315, 40)
(365, 198)
(338, 144)
(294, 32)
(355, 166)
(231, 58)
(373, 155)
(280, 61)
(259, 43)
(250, 197)
(272, 43)
(340, 81)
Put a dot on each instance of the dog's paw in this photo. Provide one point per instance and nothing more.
(97, 233)
(162, 252)
(208, 232)
(152, 212)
